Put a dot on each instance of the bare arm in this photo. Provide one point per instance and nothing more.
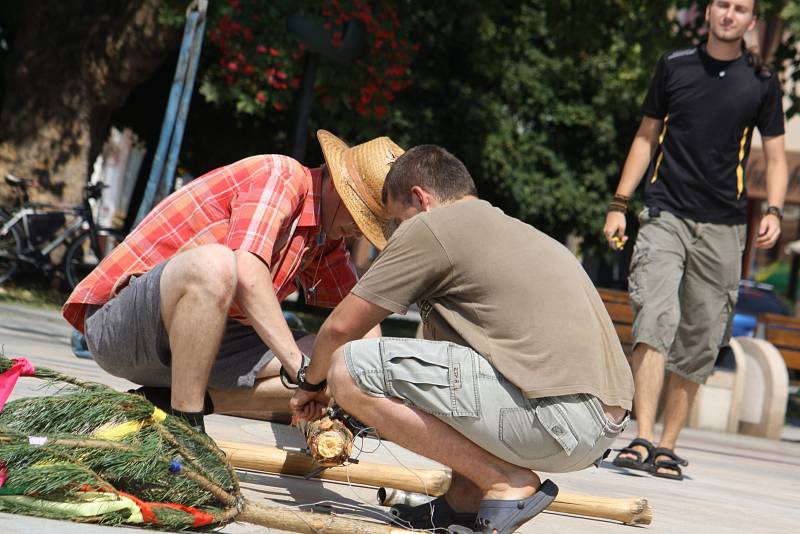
(642, 149)
(256, 297)
(777, 182)
(352, 319)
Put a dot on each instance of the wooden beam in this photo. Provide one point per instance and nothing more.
(272, 460)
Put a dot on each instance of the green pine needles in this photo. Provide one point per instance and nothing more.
(81, 453)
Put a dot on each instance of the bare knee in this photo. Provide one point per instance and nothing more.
(340, 382)
(208, 271)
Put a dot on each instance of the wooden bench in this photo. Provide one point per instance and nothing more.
(618, 305)
(784, 333)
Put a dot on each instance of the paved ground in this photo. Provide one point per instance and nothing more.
(736, 483)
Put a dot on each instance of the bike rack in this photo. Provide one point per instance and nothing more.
(162, 173)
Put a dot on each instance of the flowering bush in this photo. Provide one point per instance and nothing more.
(259, 62)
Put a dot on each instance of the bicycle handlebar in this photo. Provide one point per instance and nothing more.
(94, 190)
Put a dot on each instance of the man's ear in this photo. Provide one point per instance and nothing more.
(752, 23)
(420, 198)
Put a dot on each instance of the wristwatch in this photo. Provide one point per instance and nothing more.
(303, 384)
(776, 211)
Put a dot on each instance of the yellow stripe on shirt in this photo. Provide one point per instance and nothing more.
(739, 167)
(660, 147)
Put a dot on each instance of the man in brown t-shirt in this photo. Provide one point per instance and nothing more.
(521, 369)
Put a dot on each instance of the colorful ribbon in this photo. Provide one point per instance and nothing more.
(8, 379)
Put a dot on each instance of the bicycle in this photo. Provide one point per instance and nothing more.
(30, 234)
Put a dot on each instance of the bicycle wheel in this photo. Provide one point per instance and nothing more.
(80, 259)
(10, 247)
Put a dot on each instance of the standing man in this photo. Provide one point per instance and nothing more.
(692, 146)
(521, 370)
(191, 299)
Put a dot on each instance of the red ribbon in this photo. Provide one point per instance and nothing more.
(8, 379)
(200, 518)
(3, 473)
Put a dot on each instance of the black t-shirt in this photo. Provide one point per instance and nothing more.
(709, 109)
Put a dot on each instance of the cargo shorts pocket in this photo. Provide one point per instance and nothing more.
(537, 433)
(439, 379)
(636, 274)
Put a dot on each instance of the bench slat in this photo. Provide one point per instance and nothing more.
(620, 313)
(613, 295)
(791, 357)
(781, 337)
(773, 319)
(624, 334)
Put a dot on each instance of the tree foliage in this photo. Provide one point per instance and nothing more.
(256, 58)
(540, 98)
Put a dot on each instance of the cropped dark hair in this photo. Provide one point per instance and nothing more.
(434, 169)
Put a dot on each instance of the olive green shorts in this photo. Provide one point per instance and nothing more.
(683, 284)
(461, 388)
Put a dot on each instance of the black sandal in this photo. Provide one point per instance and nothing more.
(674, 463)
(436, 514)
(641, 464)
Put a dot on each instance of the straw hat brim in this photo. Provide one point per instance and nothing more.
(372, 225)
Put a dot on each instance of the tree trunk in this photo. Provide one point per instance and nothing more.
(71, 64)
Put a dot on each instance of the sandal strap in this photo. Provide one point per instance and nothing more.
(638, 442)
(628, 450)
(641, 442)
(674, 458)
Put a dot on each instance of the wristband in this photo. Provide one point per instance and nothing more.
(776, 211)
(286, 380)
(619, 203)
(303, 384)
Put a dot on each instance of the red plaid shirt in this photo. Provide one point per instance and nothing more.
(267, 205)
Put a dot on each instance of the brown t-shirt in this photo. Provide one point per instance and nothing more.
(488, 281)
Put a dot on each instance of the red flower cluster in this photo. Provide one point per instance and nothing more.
(258, 63)
(386, 64)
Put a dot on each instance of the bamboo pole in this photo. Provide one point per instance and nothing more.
(433, 482)
(629, 510)
(272, 460)
(294, 520)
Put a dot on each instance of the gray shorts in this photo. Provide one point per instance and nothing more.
(683, 284)
(126, 337)
(461, 388)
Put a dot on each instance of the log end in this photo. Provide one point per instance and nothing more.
(641, 513)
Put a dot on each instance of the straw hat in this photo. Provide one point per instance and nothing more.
(358, 174)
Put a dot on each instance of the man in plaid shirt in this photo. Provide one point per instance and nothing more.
(185, 305)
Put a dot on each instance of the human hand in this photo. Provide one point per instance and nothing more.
(768, 231)
(309, 405)
(614, 230)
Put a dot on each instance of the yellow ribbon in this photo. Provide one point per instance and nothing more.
(115, 432)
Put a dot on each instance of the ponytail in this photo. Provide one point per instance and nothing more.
(755, 60)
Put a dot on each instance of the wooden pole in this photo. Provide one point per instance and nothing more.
(272, 460)
(291, 519)
(628, 510)
(433, 482)
(631, 511)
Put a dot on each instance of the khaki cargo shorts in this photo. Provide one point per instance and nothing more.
(461, 388)
(683, 284)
